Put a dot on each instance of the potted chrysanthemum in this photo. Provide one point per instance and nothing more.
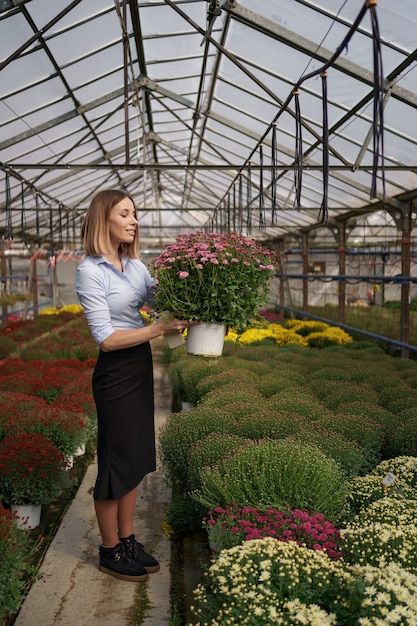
(220, 279)
(229, 526)
(32, 473)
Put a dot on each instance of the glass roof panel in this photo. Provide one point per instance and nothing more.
(182, 109)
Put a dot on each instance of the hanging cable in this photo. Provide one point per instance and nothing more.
(228, 211)
(378, 107)
(298, 170)
(74, 234)
(9, 219)
(213, 11)
(323, 216)
(261, 189)
(273, 173)
(249, 199)
(38, 235)
(51, 230)
(67, 229)
(222, 218)
(298, 162)
(240, 203)
(23, 216)
(234, 207)
(60, 242)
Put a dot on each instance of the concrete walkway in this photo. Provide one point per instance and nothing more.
(72, 591)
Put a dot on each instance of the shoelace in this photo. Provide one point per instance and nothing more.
(122, 551)
(118, 552)
(130, 547)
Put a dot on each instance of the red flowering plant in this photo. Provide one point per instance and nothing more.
(32, 469)
(42, 378)
(76, 403)
(17, 571)
(19, 380)
(65, 425)
(55, 380)
(214, 278)
(14, 405)
(38, 372)
(230, 526)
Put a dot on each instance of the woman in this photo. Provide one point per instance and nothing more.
(112, 285)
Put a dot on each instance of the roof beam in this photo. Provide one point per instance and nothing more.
(306, 46)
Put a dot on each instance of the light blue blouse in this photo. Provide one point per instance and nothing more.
(111, 299)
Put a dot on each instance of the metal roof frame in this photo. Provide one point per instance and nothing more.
(163, 98)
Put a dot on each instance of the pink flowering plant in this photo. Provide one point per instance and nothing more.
(214, 278)
(232, 525)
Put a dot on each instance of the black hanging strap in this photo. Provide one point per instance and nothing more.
(51, 230)
(223, 217)
(324, 209)
(240, 203)
(249, 199)
(67, 228)
(60, 241)
(228, 211)
(298, 170)
(261, 189)
(273, 173)
(295, 93)
(23, 215)
(234, 207)
(9, 219)
(38, 234)
(378, 108)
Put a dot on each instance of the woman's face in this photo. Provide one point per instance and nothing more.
(122, 222)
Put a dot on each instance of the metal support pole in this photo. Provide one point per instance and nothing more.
(305, 271)
(54, 284)
(405, 286)
(282, 289)
(5, 311)
(342, 272)
(34, 276)
(405, 219)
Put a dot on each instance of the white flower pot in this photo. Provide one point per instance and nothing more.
(186, 406)
(27, 516)
(80, 450)
(175, 340)
(206, 339)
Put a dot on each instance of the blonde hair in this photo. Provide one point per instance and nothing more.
(95, 231)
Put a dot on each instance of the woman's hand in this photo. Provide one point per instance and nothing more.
(165, 324)
(170, 324)
(176, 326)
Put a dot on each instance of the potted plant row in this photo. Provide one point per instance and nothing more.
(228, 455)
(32, 473)
(41, 429)
(46, 412)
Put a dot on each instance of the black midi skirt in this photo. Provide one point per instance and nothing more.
(124, 396)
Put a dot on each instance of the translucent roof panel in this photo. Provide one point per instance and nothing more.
(189, 105)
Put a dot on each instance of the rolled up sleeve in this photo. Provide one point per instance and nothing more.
(91, 288)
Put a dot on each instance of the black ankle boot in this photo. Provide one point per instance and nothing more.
(117, 562)
(136, 552)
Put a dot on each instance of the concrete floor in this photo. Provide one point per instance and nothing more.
(72, 591)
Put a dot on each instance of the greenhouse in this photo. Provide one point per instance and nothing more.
(192, 108)
(276, 134)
